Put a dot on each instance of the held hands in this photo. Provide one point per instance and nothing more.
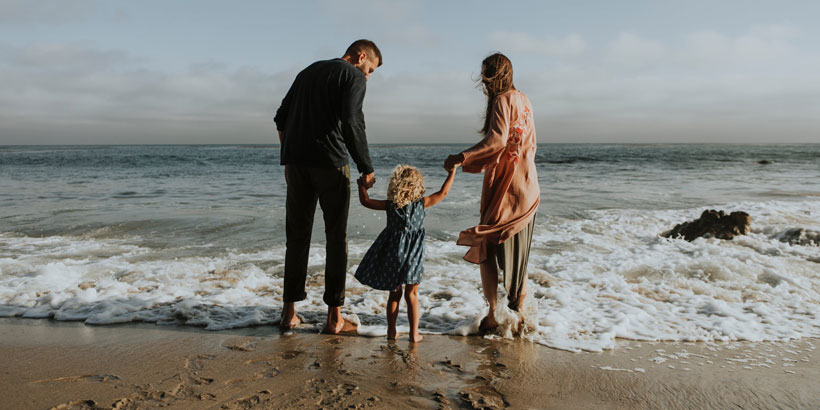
(452, 171)
(362, 187)
(366, 181)
(453, 161)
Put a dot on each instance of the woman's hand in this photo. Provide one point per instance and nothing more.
(453, 161)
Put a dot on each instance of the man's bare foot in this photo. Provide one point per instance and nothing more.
(487, 324)
(416, 338)
(340, 328)
(391, 334)
(289, 320)
(336, 324)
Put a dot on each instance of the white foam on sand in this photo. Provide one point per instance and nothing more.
(592, 280)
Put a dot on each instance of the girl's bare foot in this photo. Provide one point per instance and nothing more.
(391, 334)
(415, 338)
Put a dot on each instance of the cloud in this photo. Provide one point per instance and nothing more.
(368, 12)
(106, 96)
(520, 42)
(24, 12)
(760, 45)
(398, 23)
(418, 36)
(62, 57)
(706, 86)
(632, 51)
(703, 86)
(111, 98)
(446, 93)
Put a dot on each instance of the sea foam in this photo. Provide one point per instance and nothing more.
(592, 280)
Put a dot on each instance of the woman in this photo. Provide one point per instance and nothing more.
(510, 193)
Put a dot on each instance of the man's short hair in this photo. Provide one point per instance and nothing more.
(364, 46)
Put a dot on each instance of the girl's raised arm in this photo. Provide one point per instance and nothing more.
(433, 199)
(365, 200)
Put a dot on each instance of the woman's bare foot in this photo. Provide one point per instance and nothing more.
(488, 323)
(521, 326)
(391, 334)
(415, 338)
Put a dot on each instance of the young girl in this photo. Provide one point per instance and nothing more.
(396, 257)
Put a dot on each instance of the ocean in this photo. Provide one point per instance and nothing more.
(194, 235)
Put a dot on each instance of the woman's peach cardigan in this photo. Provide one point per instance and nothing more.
(510, 194)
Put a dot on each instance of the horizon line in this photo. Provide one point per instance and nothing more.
(409, 143)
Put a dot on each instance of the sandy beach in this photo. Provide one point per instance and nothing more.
(69, 365)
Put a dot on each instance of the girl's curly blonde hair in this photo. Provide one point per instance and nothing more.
(406, 185)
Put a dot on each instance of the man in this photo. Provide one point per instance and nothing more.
(319, 122)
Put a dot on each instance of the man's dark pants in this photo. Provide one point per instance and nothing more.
(331, 188)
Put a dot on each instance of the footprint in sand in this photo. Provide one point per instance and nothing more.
(483, 397)
(198, 362)
(197, 379)
(78, 405)
(89, 378)
(243, 346)
(450, 364)
(290, 354)
(256, 376)
(248, 402)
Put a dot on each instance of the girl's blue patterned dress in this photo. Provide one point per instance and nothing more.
(397, 255)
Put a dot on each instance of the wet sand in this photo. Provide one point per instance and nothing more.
(68, 365)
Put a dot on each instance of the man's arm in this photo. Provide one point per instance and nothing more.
(281, 116)
(282, 141)
(279, 119)
(353, 128)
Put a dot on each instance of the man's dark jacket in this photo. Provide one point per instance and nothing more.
(322, 118)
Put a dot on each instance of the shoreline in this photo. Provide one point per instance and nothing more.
(70, 365)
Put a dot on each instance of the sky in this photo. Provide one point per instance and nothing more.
(214, 72)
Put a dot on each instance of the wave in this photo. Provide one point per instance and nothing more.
(592, 280)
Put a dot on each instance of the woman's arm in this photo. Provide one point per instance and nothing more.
(485, 152)
(433, 199)
(365, 200)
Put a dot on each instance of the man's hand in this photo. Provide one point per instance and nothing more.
(368, 180)
(453, 161)
(361, 185)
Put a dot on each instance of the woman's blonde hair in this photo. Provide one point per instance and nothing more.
(406, 185)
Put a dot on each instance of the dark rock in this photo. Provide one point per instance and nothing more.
(712, 224)
(764, 162)
(800, 236)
